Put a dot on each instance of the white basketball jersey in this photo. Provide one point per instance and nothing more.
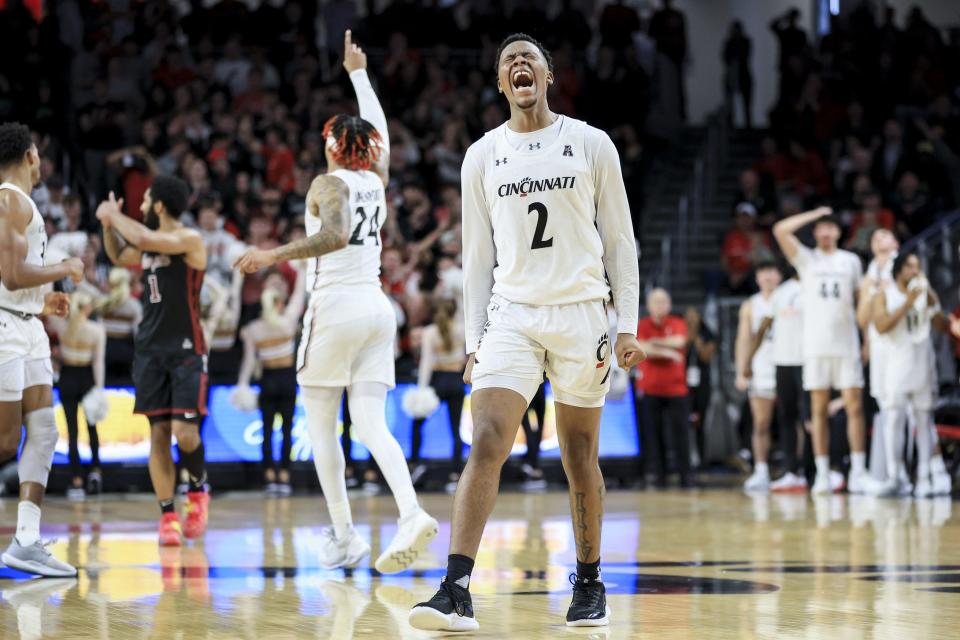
(908, 355)
(762, 362)
(830, 282)
(27, 300)
(542, 206)
(787, 310)
(359, 262)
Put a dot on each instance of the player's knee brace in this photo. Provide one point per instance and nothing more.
(37, 454)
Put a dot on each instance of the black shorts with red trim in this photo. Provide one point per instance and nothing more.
(170, 385)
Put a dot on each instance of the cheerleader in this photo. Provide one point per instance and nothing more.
(270, 343)
(442, 358)
(121, 314)
(82, 355)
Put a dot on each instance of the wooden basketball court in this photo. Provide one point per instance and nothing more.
(707, 564)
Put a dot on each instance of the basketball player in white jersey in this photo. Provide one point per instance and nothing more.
(903, 314)
(830, 278)
(26, 373)
(884, 247)
(546, 237)
(350, 325)
(756, 372)
(786, 322)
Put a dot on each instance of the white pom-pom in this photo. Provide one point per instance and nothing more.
(619, 383)
(95, 406)
(244, 398)
(420, 402)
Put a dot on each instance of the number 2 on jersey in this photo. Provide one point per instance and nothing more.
(538, 240)
(356, 238)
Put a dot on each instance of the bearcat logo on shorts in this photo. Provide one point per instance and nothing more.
(527, 186)
(603, 350)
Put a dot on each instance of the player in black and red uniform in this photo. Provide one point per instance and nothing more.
(169, 369)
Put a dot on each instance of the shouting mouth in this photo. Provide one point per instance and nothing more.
(522, 80)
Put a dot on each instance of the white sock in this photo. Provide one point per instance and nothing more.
(893, 434)
(823, 468)
(858, 462)
(321, 405)
(28, 523)
(762, 469)
(368, 401)
(936, 464)
(341, 518)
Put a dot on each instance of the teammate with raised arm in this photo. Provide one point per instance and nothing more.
(547, 237)
(26, 372)
(830, 278)
(170, 361)
(350, 325)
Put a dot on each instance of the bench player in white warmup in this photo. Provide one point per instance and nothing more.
(903, 313)
(546, 237)
(26, 373)
(350, 326)
(830, 278)
(756, 372)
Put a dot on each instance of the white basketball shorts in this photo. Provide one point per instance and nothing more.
(24, 356)
(348, 337)
(569, 342)
(832, 373)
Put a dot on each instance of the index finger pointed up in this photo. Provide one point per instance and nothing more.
(347, 40)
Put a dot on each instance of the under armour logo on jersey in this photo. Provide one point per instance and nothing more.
(534, 145)
(567, 151)
(499, 161)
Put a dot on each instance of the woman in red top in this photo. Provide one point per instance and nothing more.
(663, 385)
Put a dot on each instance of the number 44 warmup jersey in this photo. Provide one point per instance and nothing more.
(830, 282)
(541, 219)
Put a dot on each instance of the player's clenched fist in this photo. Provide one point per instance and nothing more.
(628, 351)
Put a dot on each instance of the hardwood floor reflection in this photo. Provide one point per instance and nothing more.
(708, 564)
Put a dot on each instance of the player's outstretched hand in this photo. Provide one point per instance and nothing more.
(253, 260)
(628, 351)
(823, 211)
(56, 303)
(353, 56)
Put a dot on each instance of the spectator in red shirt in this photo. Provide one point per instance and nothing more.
(873, 216)
(744, 246)
(665, 408)
(279, 159)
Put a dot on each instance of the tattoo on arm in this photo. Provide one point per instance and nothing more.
(329, 199)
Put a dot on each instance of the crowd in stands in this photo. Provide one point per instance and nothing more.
(866, 121)
(233, 100)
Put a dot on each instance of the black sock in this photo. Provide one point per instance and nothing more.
(588, 570)
(459, 567)
(193, 462)
(166, 506)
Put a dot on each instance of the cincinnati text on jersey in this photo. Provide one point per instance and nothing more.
(527, 186)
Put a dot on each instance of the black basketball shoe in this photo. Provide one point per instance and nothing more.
(451, 609)
(589, 606)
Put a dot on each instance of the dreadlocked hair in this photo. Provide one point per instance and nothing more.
(354, 143)
(518, 37)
